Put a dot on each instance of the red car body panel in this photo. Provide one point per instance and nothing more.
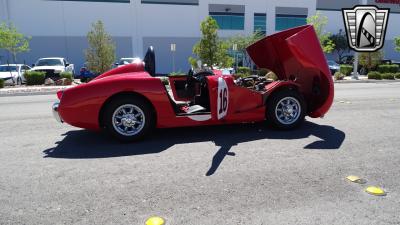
(298, 64)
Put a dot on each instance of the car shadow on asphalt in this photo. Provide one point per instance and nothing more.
(81, 144)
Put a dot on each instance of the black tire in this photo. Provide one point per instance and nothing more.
(115, 105)
(274, 112)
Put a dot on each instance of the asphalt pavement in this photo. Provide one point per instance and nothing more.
(53, 173)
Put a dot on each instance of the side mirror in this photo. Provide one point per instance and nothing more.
(67, 64)
(116, 64)
(33, 65)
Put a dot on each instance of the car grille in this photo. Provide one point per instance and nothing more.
(50, 73)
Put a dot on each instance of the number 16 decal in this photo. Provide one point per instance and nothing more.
(223, 98)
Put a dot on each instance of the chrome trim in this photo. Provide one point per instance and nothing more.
(55, 112)
(288, 110)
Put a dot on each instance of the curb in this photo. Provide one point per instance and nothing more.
(45, 90)
(365, 81)
(24, 91)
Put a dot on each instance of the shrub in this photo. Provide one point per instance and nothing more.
(179, 73)
(374, 75)
(346, 69)
(397, 75)
(1, 83)
(34, 77)
(243, 70)
(262, 72)
(238, 75)
(339, 76)
(388, 76)
(388, 68)
(164, 80)
(67, 75)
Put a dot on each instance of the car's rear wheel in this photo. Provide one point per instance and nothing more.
(129, 118)
(286, 109)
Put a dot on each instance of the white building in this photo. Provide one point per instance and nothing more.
(59, 28)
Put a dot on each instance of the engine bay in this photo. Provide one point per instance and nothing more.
(254, 82)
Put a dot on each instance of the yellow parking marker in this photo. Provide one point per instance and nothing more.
(375, 191)
(356, 179)
(155, 220)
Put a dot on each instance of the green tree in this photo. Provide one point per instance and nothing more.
(341, 44)
(397, 43)
(243, 42)
(370, 60)
(210, 49)
(13, 41)
(319, 22)
(101, 52)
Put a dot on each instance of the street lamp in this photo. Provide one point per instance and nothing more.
(173, 50)
(234, 48)
(355, 63)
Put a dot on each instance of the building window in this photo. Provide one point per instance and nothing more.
(112, 1)
(229, 21)
(171, 2)
(228, 17)
(283, 21)
(260, 23)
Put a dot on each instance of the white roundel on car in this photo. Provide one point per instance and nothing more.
(223, 98)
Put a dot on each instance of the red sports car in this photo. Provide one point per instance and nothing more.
(130, 101)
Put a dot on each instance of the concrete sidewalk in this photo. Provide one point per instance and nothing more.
(31, 90)
(363, 79)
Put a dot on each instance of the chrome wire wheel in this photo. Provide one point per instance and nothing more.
(128, 120)
(288, 110)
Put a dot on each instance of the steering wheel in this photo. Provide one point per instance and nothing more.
(150, 61)
(199, 76)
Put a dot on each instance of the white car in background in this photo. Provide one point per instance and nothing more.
(13, 74)
(125, 61)
(53, 66)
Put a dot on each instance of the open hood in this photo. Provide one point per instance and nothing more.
(286, 51)
(296, 55)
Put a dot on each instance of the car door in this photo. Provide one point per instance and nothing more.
(24, 68)
(219, 90)
(68, 67)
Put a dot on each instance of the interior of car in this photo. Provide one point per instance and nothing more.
(189, 94)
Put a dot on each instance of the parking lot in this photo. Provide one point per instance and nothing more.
(237, 174)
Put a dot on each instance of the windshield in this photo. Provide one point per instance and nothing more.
(125, 61)
(332, 63)
(49, 62)
(8, 69)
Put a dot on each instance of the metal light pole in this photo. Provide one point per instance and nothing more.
(355, 63)
(234, 48)
(173, 50)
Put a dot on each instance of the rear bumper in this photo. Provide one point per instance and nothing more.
(55, 112)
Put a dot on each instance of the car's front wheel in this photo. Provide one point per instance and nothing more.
(129, 118)
(286, 109)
